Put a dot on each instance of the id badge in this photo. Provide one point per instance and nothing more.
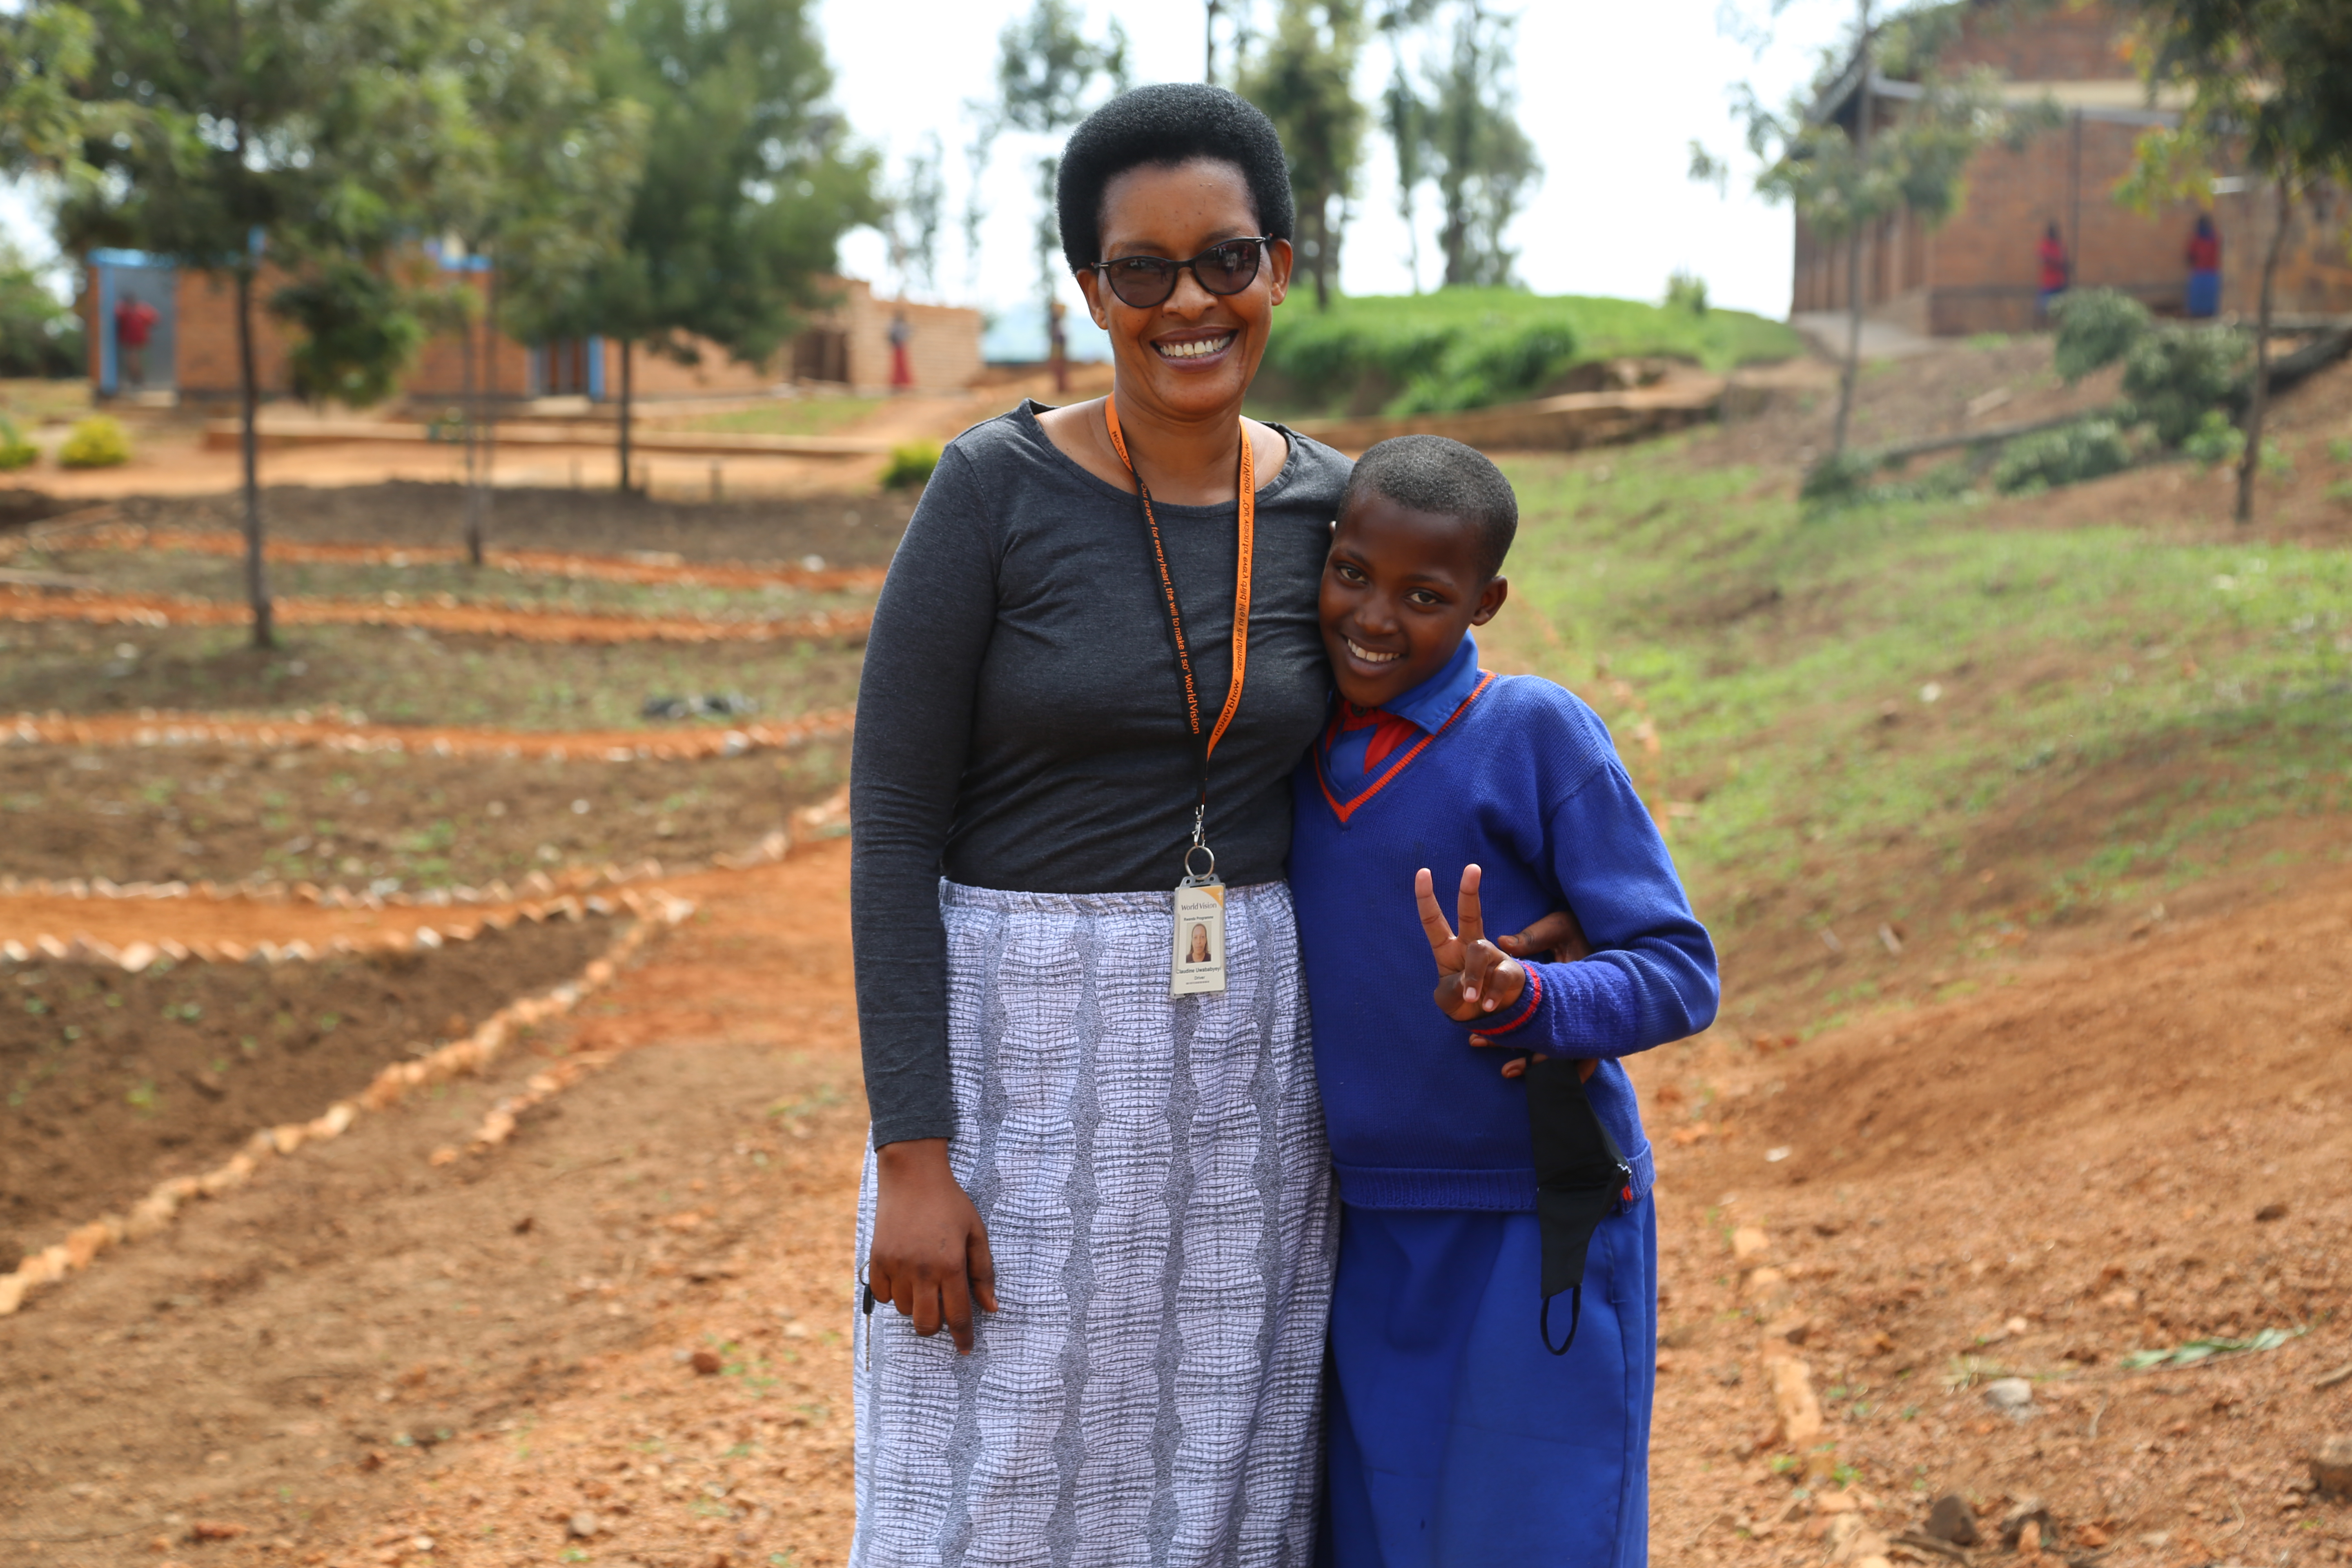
(1200, 944)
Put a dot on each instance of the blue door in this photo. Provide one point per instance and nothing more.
(138, 308)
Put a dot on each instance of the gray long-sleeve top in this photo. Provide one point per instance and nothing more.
(1019, 720)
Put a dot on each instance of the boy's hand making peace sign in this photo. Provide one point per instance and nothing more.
(1476, 978)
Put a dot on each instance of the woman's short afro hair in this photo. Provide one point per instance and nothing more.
(1165, 125)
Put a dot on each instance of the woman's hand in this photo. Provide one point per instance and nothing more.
(1556, 935)
(929, 1256)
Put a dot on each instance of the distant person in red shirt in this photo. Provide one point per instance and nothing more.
(134, 323)
(2205, 269)
(2056, 270)
(902, 374)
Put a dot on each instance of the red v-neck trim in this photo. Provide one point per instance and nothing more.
(1322, 773)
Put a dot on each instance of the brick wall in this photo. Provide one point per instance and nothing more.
(944, 353)
(2057, 43)
(439, 371)
(1979, 272)
(206, 305)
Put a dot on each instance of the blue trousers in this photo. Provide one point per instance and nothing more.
(2205, 293)
(1456, 1440)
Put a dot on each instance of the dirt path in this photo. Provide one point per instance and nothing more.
(646, 567)
(364, 1352)
(157, 729)
(20, 602)
(364, 1357)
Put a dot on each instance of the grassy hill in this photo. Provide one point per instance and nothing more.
(1470, 348)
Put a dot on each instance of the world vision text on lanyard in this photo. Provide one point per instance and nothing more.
(1198, 948)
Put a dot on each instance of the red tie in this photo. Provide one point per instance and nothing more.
(1388, 732)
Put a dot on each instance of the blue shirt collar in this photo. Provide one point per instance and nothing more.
(1432, 703)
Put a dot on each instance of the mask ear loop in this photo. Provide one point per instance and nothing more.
(1543, 1319)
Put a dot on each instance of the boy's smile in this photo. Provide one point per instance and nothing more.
(1399, 589)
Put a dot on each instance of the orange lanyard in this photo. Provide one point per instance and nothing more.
(1247, 505)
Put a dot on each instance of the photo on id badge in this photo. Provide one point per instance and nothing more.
(1199, 939)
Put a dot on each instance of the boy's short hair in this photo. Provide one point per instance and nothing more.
(1439, 475)
(1165, 125)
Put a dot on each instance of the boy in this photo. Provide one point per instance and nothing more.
(1456, 1435)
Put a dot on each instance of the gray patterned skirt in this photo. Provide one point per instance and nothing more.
(1158, 1197)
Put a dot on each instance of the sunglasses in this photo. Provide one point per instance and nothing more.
(1143, 281)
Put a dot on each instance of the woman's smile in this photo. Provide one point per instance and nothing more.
(1195, 348)
(1363, 655)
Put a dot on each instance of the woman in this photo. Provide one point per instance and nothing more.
(2204, 259)
(1131, 1186)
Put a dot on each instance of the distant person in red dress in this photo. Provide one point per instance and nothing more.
(2057, 271)
(2205, 269)
(134, 323)
(902, 376)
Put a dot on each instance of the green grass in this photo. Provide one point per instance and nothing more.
(2196, 690)
(1462, 348)
(781, 417)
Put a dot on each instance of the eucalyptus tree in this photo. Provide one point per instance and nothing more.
(1049, 77)
(1303, 75)
(1481, 159)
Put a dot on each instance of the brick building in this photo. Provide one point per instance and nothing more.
(1978, 271)
(191, 348)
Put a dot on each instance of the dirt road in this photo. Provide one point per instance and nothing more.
(364, 1352)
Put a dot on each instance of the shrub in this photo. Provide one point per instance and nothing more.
(16, 452)
(2177, 375)
(910, 464)
(97, 442)
(1839, 477)
(1686, 292)
(2215, 441)
(2097, 327)
(2087, 450)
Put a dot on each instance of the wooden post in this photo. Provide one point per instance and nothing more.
(257, 578)
(2258, 406)
(1853, 371)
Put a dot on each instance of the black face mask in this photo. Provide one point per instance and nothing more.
(1581, 1178)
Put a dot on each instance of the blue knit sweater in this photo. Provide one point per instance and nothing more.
(1519, 776)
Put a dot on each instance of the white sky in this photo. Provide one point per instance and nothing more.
(1611, 91)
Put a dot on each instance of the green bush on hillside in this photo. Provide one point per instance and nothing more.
(2175, 375)
(2088, 450)
(910, 464)
(2096, 327)
(97, 442)
(1471, 348)
(16, 452)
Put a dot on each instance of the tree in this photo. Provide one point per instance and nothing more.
(1405, 118)
(534, 203)
(39, 333)
(2270, 81)
(1049, 77)
(749, 184)
(1846, 161)
(1483, 162)
(916, 208)
(1303, 75)
(220, 132)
